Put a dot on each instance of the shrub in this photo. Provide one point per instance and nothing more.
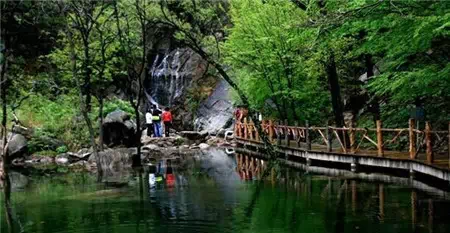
(62, 149)
(115, 104)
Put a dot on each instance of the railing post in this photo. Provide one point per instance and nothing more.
(307, 136)
(245, 128)
(286, 133)
(256, 130)
(278, 133)
(251, 128)
(380, 139)
(270, 130)
(297, 138)
(239, 129)
(412, 139)
(428, 140)
(329, 138)
(352, 138)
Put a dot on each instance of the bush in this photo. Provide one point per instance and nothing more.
(62, 149)
(61, 119)
(47, 153)
(115, 104)
(58, 119)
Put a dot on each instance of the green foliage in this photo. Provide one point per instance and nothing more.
(50, 153)
(115, 104)
(58, 119)
(276, 51)
(62, 149)
(269, 55)
(37, 144)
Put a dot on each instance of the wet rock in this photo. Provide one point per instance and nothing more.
(85, 151)
(203, 146)
(194, 135)
(62, 159)
(214, 141)
(83, 154)
(150, 147)
(193, 147)
(79, 164)
(46, 160)
(216, 112)
(119, 129)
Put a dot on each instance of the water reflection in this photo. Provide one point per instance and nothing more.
(216, 192)
(6, 183)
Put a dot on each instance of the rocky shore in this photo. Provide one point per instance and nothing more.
(152, 149)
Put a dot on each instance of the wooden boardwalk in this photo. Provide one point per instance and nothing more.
(427, 146)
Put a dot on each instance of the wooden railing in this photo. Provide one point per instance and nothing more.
(354, 140)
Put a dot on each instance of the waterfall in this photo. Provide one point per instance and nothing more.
(170, 76)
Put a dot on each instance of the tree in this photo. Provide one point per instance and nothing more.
(19, 52)
(132, 21)
(269, 54)
(82, 17)
(105, 62)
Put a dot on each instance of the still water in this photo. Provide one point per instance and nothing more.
(216, 192)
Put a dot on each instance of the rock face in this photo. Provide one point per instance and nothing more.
(119, 129)
(216, 112)
(17, 146)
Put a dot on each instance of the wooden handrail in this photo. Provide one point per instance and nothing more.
(419, 140)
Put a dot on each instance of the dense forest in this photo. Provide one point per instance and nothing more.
(66, 64)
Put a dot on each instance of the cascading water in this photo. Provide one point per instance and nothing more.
(170, 75)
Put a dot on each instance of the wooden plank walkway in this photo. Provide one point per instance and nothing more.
(428, 146)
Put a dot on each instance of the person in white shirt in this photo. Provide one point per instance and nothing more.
(149, 123)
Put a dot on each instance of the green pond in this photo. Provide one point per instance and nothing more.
(216, 192)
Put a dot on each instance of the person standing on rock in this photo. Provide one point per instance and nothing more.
(156, 119)
(167, 120)
(149, 122)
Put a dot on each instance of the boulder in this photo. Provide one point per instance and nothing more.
(216, 112)
(150, 147)
(194, 135)
(78, 164)
(119, 129)
(17, 146)
(70, 157)
(62, 159)
(203, 146)
(46, 160)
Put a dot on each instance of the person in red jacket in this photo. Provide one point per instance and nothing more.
(167, 120)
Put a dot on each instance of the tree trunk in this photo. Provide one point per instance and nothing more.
(7, 199)
(100, 117)
(83, 108)
(136, 159)
(3, 89)
(4, 133)
(87, 75)
(335, 91)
